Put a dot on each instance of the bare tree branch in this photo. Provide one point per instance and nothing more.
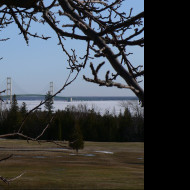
(5, 180)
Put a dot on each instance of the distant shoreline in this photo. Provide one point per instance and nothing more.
(33, 97)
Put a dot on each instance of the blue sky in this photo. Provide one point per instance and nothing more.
(33, 67)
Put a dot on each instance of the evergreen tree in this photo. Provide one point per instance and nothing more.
(23, 109)
(13, 117)
(49, 104)
(14, 105)
(76, 141)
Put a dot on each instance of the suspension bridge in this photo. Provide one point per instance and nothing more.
(11, 87)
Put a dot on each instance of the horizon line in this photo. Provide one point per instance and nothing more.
(64, 96)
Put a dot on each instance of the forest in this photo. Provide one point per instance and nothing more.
(62, 125)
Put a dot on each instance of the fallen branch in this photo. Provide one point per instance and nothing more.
(8, 181)
(5, 180)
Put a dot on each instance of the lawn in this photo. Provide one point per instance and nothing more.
(99, 166)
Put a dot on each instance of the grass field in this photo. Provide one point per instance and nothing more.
(45, 167)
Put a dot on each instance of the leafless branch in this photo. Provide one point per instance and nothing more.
(5, 180)
(3, 159)
(8, 181)
(108, 82)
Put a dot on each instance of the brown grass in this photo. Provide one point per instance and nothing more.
(124, 169)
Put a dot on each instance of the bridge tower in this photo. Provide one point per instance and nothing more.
(51, 88)
(9, 90)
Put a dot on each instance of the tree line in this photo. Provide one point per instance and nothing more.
(74, 123)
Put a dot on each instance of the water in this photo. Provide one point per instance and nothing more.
(104, 152)
(102, 105)
(75, 98)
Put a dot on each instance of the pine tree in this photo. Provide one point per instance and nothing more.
(14, 117)
(14, 105)
(76, 141)
(23, 109)
(49, 104)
